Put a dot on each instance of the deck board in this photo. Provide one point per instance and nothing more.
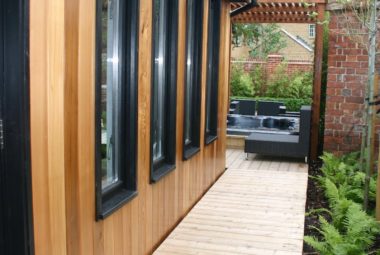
(256, 207)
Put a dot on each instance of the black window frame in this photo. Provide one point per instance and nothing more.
(191, 148)
(16, 203)
(212, 82)
(118, 194)
(167, 163)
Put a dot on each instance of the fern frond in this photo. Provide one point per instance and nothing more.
(330, 232)
(317, 245)
(317, 211)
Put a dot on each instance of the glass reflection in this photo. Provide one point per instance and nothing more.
(111, 94)
(159, 82)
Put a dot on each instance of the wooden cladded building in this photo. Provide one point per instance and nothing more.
(113, 116)
(113, 119)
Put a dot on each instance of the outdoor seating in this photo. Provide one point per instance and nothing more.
(268, 108)
(247, 107)
(234, 107)
(288, 145)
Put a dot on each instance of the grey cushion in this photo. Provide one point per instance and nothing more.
(273, 138)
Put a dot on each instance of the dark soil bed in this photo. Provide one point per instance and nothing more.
(315, 200)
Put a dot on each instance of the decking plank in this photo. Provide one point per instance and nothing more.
(256, 207)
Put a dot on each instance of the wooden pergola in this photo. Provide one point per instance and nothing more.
(291, 11)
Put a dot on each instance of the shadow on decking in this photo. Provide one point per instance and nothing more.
(256, 207)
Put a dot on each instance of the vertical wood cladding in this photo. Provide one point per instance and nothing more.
(62, 45)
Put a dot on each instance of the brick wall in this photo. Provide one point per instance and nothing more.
(272, 62)
(347, 78)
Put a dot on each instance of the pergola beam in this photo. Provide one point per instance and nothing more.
(244, 8)
(282, 11)
(295, 20)
(292, 1)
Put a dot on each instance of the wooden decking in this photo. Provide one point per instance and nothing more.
(256, 207)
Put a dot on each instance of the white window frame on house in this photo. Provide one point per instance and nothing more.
(311, 30)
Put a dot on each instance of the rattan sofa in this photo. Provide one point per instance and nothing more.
(287, 145)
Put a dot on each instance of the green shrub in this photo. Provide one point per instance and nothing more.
(258, 77)
(297, 85)
(295, 104)
(278, 82)
(278, 85)
(241, 82)
(301, 86)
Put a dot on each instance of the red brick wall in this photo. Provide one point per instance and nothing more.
(347, 78)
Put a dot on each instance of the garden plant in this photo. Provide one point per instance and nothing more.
(345, 228)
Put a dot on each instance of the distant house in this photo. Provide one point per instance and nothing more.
(299, 40)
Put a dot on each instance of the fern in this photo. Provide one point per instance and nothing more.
(361, 228)
(319, 246)
(318, 211)
(354, 237)
(346, 175)
(351, 231)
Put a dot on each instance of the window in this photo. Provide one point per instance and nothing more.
(164, 83)
(193, 78)
(311, 30)
(212, 71)
(116, 99)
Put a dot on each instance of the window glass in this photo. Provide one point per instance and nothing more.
(189, 70)
(212, 71)
(164, 87)
(312, 30)
(194, 30)
(116, 104)
(111, 93)
(159, 79)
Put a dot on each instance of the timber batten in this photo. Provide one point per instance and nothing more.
(63, 135)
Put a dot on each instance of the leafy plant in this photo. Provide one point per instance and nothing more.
(277, 85)
(258, 77)
(351, 230)
(301, 86)
(354, 237)
(263, 39)
(297, 85)
(241, 82)
(346, 174)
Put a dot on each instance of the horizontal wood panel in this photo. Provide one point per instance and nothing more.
(62, 116)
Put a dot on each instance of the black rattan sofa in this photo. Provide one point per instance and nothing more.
(269, 108)
(247, 107)
(287, 145)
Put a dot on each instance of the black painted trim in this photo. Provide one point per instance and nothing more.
(212, 84)
(192, 148)
(15, 171)
(110, 201)
(160, 169)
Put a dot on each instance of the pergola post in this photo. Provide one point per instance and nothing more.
(318, 58)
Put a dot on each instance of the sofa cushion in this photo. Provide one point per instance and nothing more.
(281, 138)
